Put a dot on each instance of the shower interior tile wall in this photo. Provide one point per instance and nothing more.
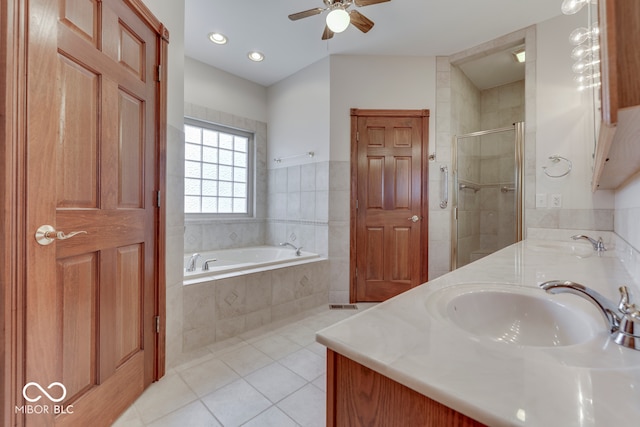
(485, 217)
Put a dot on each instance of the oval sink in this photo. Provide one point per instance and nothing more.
(513, 314)
(578, 249)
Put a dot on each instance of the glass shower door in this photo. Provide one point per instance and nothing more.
(487, 193)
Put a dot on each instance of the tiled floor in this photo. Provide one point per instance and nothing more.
(273, 376)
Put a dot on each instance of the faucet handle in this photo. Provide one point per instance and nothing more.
(600, 245)
(628, 333)
(625, 306)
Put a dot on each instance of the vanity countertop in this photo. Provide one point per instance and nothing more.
(594, 383)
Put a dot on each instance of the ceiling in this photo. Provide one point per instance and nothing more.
(402, 27)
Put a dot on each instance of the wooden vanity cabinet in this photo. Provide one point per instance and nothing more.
(617, 155)
(359, 396)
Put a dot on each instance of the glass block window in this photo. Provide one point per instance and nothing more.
(217, 169)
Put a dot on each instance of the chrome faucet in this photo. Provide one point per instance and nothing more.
(297, 249)
(191, 264)
(622, 320)
(598, 245)
(205, 265)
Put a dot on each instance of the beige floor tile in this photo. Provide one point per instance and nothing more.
(130, 418)
(236, 403)
(318, 349)
(321, 382)
(194, 414)
(272, 417)
(275, 381)
(246, 360)
(208, 376)
(301, 335)
(276, 346)
(306, 406)
(305, 363)
(273, 376)
(163, 397)
(186, 360)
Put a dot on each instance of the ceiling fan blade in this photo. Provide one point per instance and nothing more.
(327, 34)
(360, 21)
(361, 3)
(305, 13)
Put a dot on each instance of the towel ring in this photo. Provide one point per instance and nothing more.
(559, 167)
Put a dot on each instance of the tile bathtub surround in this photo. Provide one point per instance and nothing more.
(220, 309)
(272, 376)
(298, 204)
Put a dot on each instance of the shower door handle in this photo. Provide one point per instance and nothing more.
(445, 187)
(415, 218)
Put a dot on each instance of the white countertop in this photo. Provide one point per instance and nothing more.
(594, 383)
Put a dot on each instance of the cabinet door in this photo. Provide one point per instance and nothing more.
(620, 58)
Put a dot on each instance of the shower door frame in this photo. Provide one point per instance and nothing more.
(518, 128)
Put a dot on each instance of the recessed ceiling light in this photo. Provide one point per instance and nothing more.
(255, 56)
(218, 38)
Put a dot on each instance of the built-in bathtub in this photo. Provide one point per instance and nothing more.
(247, 288)
(236, 262)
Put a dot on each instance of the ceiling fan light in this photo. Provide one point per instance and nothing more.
(338, 20)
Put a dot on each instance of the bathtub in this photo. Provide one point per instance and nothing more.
(236, 262)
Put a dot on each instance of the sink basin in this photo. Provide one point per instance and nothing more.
(578, 249)
(506, 313)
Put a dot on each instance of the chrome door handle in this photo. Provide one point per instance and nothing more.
(415, 218)
(46, 234)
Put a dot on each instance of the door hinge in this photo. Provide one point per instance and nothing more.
(356, 273)
(157, 319)
(159, 75)
(358, 136)
(158, 198)
(357, 205)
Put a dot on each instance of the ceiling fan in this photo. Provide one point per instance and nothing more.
(339, 18)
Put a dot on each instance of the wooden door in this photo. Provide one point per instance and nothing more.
(389, 212)
(92, 122)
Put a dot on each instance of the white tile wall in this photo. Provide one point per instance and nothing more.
(237, 233)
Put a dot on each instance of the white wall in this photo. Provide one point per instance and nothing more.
(564, 119)
(378, 82)
(306, 106)
(310, 111)
(298, 115)
(218, 90)
(171, 14)
(627, 212)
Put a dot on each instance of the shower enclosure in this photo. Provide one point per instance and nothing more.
(487, 192)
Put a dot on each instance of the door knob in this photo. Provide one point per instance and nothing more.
(46, 234)
(415, 218)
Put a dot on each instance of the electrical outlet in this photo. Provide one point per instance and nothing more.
(556, 200)
(541, 200)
